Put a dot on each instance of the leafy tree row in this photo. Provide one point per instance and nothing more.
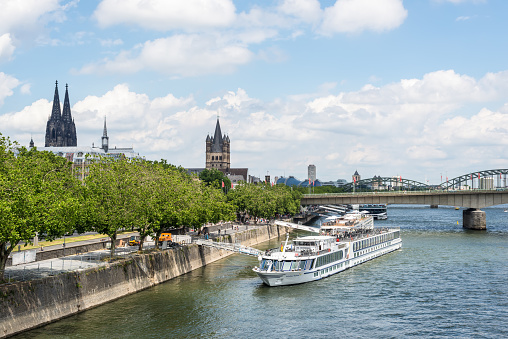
(40, 195)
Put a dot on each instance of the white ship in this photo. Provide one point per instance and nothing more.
(348, 241)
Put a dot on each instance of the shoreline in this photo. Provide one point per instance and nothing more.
(29, 304)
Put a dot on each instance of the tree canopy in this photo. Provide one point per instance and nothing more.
(264, 201)
(38, 195)
(215, 178)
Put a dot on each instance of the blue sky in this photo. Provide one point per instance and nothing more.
(386, 87)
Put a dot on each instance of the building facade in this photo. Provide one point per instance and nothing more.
(60, 128)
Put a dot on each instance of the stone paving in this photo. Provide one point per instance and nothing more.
(56, 266)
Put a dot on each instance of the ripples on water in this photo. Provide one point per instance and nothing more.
(444, 282)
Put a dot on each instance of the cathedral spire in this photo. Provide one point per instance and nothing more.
(66, 115)
(105, 138)
(56, 113)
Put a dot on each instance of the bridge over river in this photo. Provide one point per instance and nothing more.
(473, 200)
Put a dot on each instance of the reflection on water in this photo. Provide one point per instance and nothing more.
(444, 282)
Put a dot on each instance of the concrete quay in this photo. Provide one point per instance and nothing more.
(29, 304)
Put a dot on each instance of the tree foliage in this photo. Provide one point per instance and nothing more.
(150, 197)
(38, 195)
(265, 201)
(215, 178)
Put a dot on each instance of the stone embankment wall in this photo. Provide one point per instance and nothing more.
(29, 304)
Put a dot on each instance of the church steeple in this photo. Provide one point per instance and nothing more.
(105, 138)
(218, 150)
(217, 138)
(56, 113)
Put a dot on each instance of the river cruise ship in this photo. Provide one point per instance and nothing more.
(346, 242)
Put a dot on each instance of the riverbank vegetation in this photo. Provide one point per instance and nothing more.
(40, 195)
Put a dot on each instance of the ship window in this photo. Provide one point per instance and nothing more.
(302, 264)
(294, 265)
(277, 265)
(286, 266)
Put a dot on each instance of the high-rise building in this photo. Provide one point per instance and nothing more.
(60, 129)
(312, 172)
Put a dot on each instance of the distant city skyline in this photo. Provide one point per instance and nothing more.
(417, 89)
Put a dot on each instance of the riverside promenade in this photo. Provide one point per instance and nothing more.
(78, 258)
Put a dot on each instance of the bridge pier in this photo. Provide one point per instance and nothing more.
(474, 219)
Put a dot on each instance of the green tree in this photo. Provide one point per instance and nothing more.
(110, 194)
(215, 178)
(38, 194)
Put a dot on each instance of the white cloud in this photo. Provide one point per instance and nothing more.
(218, 40)
(7, 84)
(354, 16)
(180, 55)
(32, 118)
(165, 15)
(308, 11)
(6, 47)
(25, 89)
(24, 15)
(425, 152)
(111, 42)
(377, 130)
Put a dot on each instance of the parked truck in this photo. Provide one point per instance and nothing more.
(165, 236)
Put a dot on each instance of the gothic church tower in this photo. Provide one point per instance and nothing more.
(218, 150)
(60, 129)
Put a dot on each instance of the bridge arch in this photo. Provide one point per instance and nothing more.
(463, 180)
(386, 183)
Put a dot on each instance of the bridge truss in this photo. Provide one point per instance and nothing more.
(386, 183)
(488, 179)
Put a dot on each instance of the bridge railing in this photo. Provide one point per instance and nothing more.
(348, 194)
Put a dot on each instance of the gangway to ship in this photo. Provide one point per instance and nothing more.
(334, 208)
(233, 247)
(297, 226)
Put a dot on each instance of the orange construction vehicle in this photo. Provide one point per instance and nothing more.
(165, 236)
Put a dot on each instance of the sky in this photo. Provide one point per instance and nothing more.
(417, 89)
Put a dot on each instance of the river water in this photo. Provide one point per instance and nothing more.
(444, 282)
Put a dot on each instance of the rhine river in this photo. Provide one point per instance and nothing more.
(444, 282)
